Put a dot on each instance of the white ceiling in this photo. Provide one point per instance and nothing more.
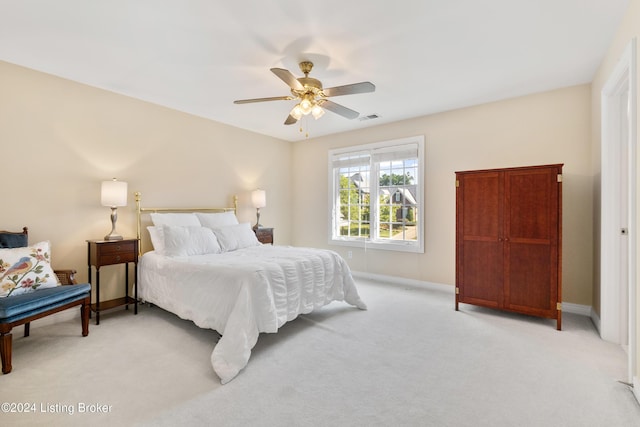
(424, 56)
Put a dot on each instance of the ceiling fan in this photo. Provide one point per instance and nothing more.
(312, 97)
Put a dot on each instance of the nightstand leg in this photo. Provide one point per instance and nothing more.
(126, 283)
(89, 272)
(97, 296)
(135, 288)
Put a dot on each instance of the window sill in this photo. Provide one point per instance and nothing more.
(379, 245)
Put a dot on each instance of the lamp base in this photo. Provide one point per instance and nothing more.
(114, 217)
(113, 237)
(255, 227)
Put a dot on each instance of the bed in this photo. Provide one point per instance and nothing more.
(205, 266)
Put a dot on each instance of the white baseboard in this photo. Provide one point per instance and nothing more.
(403, 281)
(596, 321)
(583, 310)
(567, 307)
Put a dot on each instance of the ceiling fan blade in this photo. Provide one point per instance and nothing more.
(362, 87)
(288, 78)
(290, 120)
(273, 98)
(339, 109)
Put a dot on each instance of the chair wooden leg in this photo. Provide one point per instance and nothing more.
(27, 328)
(5, 352)
(84, 315)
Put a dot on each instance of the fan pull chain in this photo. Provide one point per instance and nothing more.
(302, 129)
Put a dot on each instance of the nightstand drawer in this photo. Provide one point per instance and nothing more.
(119, 247)
(116, 258)
(115, 253)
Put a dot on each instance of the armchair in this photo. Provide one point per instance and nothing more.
(22, 309)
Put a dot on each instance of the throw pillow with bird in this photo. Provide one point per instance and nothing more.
(24, 270)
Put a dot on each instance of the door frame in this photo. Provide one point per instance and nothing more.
(621, 83)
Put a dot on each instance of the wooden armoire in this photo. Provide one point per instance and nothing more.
(509, 240)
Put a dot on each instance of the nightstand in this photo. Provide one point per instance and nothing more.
(112, 252)
(264, 235)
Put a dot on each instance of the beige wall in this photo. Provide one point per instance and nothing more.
(551, 127)
(629, 28)
(59, 140)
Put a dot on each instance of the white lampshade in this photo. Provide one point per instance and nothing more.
(114, 193)
(259, 198)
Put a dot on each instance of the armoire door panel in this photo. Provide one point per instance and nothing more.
(530, 278)
(482, 276)
(531, 200)
(481, 201)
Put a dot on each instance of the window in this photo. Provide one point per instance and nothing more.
(376, 195)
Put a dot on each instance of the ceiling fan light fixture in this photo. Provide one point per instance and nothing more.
(306, 105)
(296, 112)
(317, 111)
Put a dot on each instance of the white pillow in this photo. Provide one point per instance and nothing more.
(217, 219)
(24, 270)
(233, 237)
(157, 238)
(181, 219)
(185, 241)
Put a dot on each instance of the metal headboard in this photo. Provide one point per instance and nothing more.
(141, 211)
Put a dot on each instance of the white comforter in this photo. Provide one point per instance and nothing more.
(245, 292)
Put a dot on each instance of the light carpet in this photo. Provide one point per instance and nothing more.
(410, 360)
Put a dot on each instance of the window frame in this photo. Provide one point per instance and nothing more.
(373, 241)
